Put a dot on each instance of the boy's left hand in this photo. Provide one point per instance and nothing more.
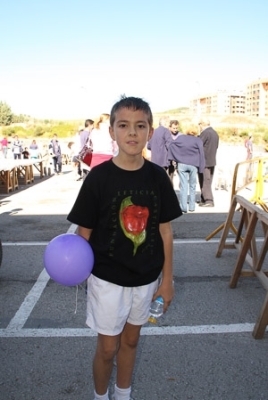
(166, 290)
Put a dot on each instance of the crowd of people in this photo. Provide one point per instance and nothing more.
(15, 145)
(191, 155)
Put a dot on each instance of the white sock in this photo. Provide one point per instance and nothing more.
(121, 394)
(101, 396)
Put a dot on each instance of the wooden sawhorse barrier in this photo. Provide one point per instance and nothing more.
(8, 177)
(258, 165)
(248, 252)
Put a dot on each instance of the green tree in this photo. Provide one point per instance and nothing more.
(5, 114)
(18, 118)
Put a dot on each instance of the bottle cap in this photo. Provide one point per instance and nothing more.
(152, 319)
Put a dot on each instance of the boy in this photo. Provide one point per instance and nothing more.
(124, 210)
(25, 153)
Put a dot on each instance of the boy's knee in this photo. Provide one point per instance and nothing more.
(108, 350)
(108, 354)
(130, 341)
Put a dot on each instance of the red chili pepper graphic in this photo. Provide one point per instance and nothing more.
(133, 220)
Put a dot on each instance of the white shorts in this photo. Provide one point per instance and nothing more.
(110, 306)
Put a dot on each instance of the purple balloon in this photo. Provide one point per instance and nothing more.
(69, 259)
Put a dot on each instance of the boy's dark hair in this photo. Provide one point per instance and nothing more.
(132, 103)
(88, 122)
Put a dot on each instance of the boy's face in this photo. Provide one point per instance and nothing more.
(131, 130)
(174, 129)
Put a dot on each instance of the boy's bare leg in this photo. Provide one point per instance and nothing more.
(127, 354)
(107, 347)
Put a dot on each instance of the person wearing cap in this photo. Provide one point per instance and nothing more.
(210, 139)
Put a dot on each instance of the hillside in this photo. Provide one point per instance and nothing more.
(231, 128)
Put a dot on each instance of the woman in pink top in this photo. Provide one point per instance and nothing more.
(104, 147)
(4, 143)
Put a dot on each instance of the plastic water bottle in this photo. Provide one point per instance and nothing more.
(156, 309)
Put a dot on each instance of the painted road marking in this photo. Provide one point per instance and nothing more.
(29, 302)
(145, 331)
(175, 242)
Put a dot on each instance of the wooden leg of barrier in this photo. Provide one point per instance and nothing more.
(243, 251)
(263, 251)
(31, 174)
(262, 321)
(7, 181)
(226, 228)
(14, 179)
(263, 205)
(243, 221)
(215, 232)
(41, 169)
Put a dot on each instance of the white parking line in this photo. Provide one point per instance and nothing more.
(29, 302)
(23, 313)
(146, 331)
(175, 242)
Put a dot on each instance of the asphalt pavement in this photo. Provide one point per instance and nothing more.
(202, 348)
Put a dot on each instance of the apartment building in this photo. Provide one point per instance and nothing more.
(222, 102)
(257, 98)
(254, 102)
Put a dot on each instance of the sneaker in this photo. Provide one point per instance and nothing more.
(207, 204)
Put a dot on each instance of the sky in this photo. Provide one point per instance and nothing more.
(73, 59)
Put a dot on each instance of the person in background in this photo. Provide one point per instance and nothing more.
(73, 151)
(250, 166)
(123, 210)
(210, 139)
(187, 150)
(85, 132)
(34, 152)
(47, 159)
(17, 148)
(104, 147)
(4, 143)
(55, 152)
(25, 153)
(174, 130)
(159, 142)
(249, 147)
(85, 136)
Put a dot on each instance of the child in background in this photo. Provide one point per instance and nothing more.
(25, 153)
(124, 209)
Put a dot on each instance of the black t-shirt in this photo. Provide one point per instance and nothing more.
(124, 209)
